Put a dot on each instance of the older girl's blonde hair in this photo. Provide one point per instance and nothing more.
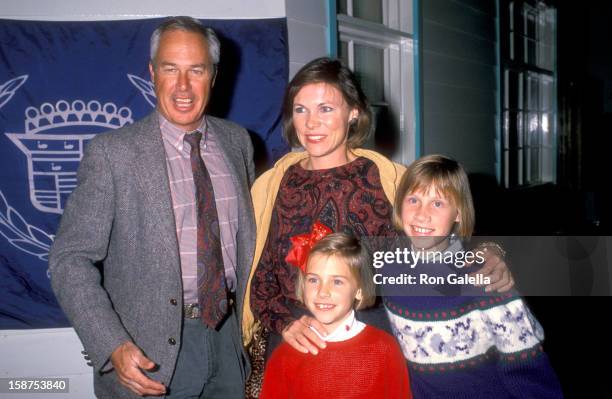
(448, 178)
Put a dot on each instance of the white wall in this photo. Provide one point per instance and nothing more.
(307, 26)
(87, 10)
(53, 352)
(57, 352)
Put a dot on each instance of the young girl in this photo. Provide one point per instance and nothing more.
(359, 361)
(459, 343)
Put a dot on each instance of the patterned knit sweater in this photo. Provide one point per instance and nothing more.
(460, 343)
(369, 365)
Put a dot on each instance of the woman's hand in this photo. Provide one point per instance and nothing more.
(300, 336)
(496, 269)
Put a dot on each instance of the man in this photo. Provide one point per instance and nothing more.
(154, 244)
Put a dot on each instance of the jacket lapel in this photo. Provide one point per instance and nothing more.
(152, 176)
(231, 153)
(246, 224)
(237, 168)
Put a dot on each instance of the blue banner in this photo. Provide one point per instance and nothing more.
(61, 83)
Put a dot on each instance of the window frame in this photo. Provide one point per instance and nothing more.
(514, 136)
(394, 37)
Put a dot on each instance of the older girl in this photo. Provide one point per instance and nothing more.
(459, 343)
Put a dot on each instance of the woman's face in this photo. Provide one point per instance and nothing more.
(321, 120)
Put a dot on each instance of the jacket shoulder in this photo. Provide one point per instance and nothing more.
(277, 171)
(263, 180)
(127, 133)
(227, 125)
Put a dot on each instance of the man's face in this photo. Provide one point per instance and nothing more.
(183, 75)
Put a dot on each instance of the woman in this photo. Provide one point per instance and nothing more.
(333, 181)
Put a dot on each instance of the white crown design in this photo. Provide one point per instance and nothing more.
(50, 116)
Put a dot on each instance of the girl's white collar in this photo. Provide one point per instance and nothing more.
(348, 329)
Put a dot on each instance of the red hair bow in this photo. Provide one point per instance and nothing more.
(303, 243)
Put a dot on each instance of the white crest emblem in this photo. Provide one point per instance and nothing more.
(8, 89)
(53, 156)
(19, 233)
(145, 88)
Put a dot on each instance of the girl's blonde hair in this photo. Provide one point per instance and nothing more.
(348, 249)
(448, 178)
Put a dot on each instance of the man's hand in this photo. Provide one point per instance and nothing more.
(128, 361)
(497, 270)
(300, 336)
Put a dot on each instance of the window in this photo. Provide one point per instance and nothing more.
(528, 93)
(375, 41)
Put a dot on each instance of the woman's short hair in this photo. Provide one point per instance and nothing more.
(448, 177)
(335, 73)
(187, 24)
(348, 249)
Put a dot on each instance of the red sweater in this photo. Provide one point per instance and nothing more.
(369, 365)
